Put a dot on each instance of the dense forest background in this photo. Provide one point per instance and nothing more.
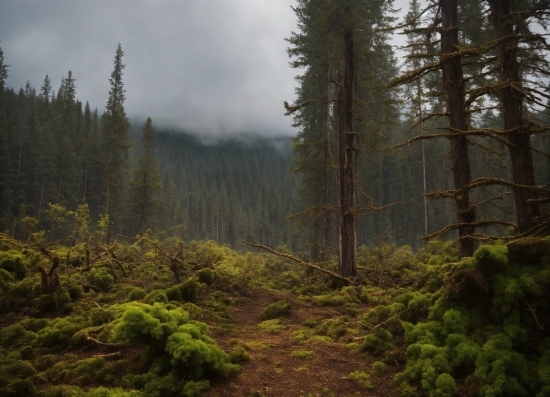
(229, 189)
(57, 153)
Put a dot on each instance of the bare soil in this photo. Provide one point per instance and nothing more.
(272, 370)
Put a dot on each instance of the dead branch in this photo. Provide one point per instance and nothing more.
(103, 344)
(113, 258)
(476, 224)
(108, 356)
(301, 262)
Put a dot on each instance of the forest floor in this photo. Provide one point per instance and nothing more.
(282, 365)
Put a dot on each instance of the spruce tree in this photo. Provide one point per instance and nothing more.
(512, 28)
(5, 160)
(346, 64)
(115, 131)
(146, 185)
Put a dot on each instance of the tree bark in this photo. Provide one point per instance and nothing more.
(453, 83)
(328, 160)
(346, 138)
(511, 97)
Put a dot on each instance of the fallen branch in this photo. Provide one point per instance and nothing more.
(99, 343)
(108, 355)
(301, 262)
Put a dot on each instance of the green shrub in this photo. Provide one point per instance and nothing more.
(378, 342)
(34, 324)
(362, 379)
(206, 276)
(484, 327)
(239, 355)
(156, 296)
(5, 278)
(47, 303)
(137, 294)
(15, 369)
(26, 352)
(102, 279)
(44, 361)
(85, 368)
(191, 289)
(100, 316)
(15, 335)
(59, 332)
(75, 291)
(272, 326)
(19, 388)
(12, 261)
(275, 310)
(112, 392)
(62, 391)
(303, 354)
(176, 347)
(174, 293)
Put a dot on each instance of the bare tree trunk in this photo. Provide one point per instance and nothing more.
(511, 97)
(109, 181)
(453, 83)
(328, 162)
(424, 186)
(346, 137)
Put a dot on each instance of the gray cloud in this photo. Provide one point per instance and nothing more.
(212, 66)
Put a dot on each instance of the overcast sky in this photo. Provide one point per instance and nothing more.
(210, 66)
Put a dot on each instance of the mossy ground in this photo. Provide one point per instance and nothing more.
(225, 324)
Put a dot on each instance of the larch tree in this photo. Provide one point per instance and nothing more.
(115, 132)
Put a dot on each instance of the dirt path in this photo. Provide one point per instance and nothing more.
(282, 366)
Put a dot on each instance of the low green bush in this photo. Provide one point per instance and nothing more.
(156, 296)
(136, 294)
(13, 262)
(178, 350)
(486, 327)
(102, 278)
(239, 355)
(16, 335)
(206, 276)
(275, 310)
(59, 332)
(19, 388)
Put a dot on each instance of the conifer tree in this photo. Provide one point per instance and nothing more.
(67, 135)
(146, 185)
(115, 131)
(5, 161)
(511, 21)
(341, 51)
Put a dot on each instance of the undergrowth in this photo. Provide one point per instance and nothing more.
(132, 321)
